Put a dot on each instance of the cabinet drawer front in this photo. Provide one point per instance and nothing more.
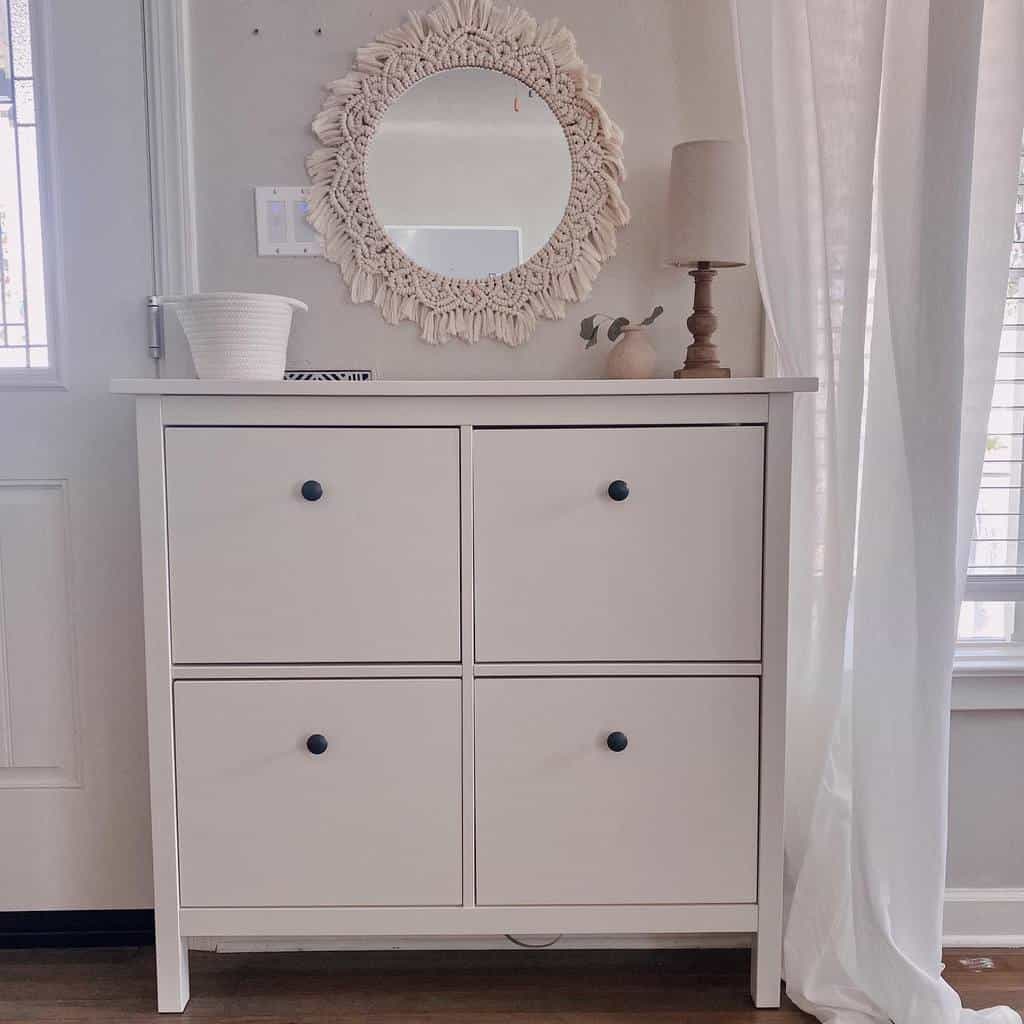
(671, 571)
(561, 818)
(375, 819)
(368, 571)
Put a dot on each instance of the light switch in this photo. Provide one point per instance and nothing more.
(301, 227)
(281, 227)
(277, 223)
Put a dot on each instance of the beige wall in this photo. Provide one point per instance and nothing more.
(668, 76)
(986, 800)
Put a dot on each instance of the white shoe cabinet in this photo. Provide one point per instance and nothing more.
(465, 659)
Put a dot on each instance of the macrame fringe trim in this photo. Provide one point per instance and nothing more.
(572, 285)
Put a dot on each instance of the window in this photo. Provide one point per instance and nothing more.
(993, 608)
(23, 343)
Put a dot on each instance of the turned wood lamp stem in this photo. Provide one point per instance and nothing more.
(702, 354)
(706, 227)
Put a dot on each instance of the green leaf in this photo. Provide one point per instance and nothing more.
(588, 328)
(615, 327)
(655, 313)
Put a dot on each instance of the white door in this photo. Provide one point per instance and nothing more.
(73, 784)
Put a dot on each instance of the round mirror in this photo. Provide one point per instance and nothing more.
(469, 172)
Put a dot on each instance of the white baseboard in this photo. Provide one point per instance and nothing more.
(983, 917)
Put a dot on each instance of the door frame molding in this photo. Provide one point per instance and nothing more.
(166, 27)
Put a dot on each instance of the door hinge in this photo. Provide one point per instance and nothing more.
(155, 342)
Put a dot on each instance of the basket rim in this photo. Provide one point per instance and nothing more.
(170, 300)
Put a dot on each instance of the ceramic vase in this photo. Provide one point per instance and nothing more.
(633, 356)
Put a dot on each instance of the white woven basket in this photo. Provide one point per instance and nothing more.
(236, 335)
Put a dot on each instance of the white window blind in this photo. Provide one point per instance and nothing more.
(993, 609)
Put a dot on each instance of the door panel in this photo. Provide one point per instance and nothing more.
(366, 571)
(38, 721)
(671, 571)
(373, 819)
(670, 816)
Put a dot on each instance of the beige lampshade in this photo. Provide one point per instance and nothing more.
(707, 205)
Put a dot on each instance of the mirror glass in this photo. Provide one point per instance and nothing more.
(469, 172)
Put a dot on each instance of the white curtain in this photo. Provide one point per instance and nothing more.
(883, 141)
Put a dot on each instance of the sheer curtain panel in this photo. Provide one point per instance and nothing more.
(884, 141)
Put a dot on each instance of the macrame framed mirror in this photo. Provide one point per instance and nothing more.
(467, 177)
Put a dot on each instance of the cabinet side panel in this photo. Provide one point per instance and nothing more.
(171, 951)
(767, 960)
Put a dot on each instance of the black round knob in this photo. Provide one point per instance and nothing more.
(316, 744)
(617, 741)
(618, 490)
(312, 490)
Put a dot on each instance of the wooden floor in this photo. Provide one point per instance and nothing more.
(515, 987)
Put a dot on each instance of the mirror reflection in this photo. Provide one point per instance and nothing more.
(469, 172)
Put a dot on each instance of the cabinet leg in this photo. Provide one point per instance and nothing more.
(172, 989)
(766, 970)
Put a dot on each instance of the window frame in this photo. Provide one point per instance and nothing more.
(986, 658)
(52, 376)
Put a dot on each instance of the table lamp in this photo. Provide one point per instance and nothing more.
(707, 228)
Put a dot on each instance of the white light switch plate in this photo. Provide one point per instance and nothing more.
(281, 228)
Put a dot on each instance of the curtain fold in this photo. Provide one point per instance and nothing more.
(883, 143)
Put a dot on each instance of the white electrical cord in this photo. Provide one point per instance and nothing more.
(531, 945)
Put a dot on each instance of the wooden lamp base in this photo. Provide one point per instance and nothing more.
(702, 354)
(702, 371)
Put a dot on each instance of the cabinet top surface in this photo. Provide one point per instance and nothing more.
(465, 388)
